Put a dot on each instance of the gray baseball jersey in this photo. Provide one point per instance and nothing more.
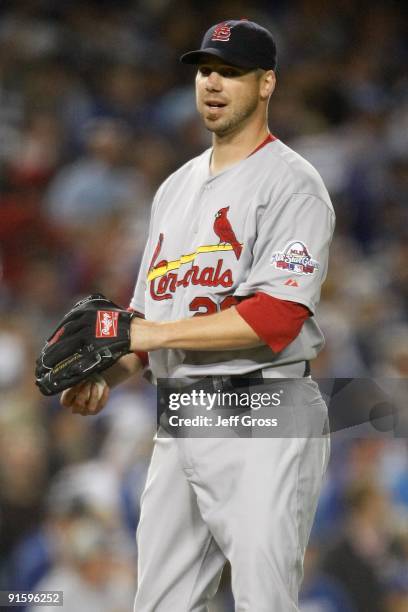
(262, 225)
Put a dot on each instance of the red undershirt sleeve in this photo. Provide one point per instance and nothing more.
(143, 355)
(276, 322)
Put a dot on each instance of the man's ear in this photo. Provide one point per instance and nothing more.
(268, 82)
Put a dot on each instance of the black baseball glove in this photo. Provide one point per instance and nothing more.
(91, 337)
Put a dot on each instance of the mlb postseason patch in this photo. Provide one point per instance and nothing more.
(295, 258)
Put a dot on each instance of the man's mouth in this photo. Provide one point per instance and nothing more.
(214, 104)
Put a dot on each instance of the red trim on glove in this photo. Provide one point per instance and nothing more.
(143, 355)
(277, 322)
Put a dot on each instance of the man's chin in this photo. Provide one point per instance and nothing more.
(217, 127)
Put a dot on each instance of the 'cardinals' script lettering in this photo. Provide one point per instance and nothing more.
(164, 287)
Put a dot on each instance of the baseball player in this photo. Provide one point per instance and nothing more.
(239, 234)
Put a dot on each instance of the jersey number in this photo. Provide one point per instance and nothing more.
(209, 306)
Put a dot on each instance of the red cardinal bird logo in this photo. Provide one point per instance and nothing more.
(224, 231)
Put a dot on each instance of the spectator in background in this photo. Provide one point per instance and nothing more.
(23, 481)
(320, 592)
(100, 183)
(38, 151)
(397, 582)
(358, 560)
(100, 198)
(96, 574)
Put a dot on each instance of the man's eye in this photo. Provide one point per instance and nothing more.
(229, 73)
(224, 72)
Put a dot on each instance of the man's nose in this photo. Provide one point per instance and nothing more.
(213, 81)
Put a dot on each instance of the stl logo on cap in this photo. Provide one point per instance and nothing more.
(222, 32)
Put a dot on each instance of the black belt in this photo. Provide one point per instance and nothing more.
(213, 383)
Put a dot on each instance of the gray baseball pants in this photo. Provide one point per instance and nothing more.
(249, 500)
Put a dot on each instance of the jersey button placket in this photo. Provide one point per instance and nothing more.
(200, 202)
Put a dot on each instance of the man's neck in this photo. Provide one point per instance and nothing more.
(230, 149)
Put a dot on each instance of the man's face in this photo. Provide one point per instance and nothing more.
(226, 96)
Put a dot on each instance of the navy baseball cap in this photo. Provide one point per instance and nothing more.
(240, 43)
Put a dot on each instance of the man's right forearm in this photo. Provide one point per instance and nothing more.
(124, 368)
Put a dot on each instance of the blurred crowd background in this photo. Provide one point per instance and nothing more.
(95, 112)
